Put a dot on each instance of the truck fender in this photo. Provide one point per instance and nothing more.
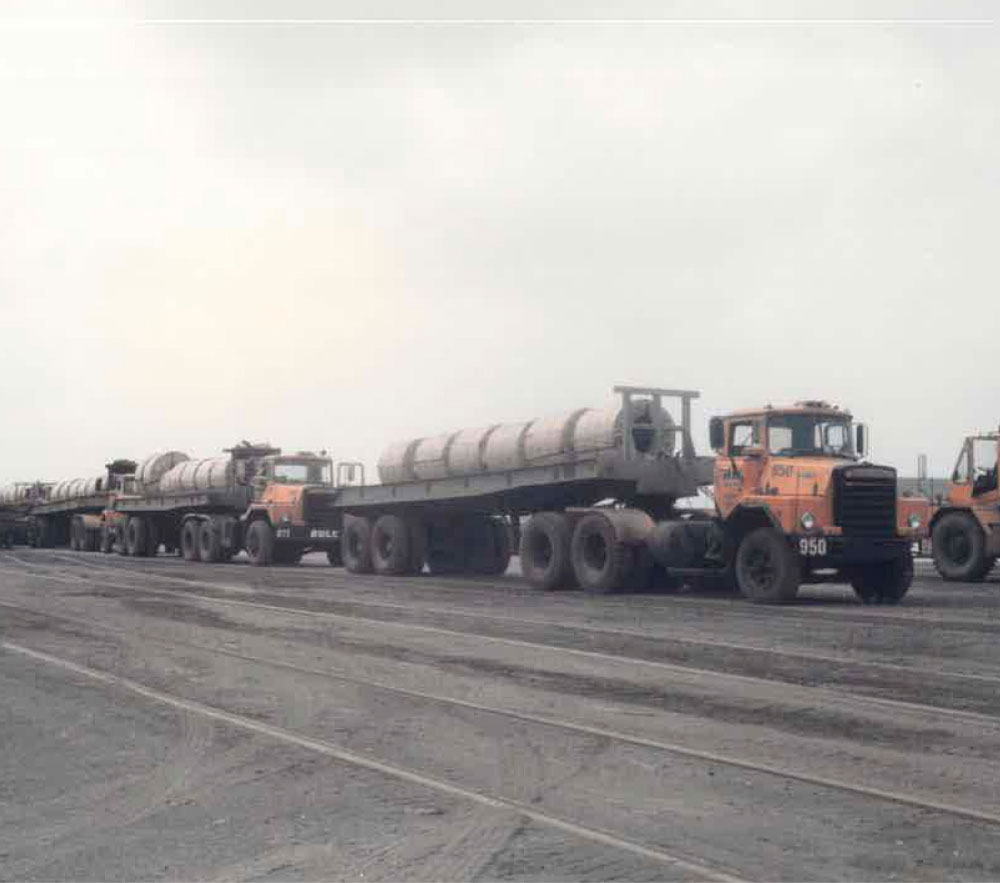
(745, 518)
(632, 526)
(255, 513)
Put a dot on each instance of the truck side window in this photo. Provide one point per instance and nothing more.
(743, 435)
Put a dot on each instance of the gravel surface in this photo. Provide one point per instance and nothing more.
(164, 720)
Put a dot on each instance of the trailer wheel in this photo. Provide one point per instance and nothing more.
(958, 546)
(107, 539)
(885, 582)
(490, 548)
(152, 538)
(334, 557)
(189, 540)
(121, 540)
(418, 544)
(601, 562)
(355, 544)
(390, 546)
(545, 551)
(209, 545)
(135, 536)
(766, 569)
(260, 543)
(74, 534)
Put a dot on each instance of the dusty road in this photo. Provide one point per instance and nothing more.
(162, 720)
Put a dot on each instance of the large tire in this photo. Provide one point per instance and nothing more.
(767, 571)
(190, 550)
(76, 534)
(121, 539)
(545, 551)
(107, 538)
(490, 547)
(390, 546)
(152, 538)
(260, 543)
(418, 544)
(135, 536)
(286, 555)
(355, 544)
(334, 557)
(209, 543)
(885, 582)
(959, 548)
(601, 562)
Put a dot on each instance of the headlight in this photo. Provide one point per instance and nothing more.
(807, 520)
(913, 521)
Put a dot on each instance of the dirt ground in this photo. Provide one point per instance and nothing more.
(166, 720)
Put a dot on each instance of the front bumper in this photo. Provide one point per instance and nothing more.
(822, 551)
(308, 535)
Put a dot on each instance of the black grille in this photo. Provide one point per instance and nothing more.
(864, 500)
(320, 508)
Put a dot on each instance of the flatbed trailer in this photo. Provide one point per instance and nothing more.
(634, 465)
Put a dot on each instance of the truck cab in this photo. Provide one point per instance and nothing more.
(965, 528)
(799, 505)
(291, 504)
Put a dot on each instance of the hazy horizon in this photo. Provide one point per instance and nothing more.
(280, 222)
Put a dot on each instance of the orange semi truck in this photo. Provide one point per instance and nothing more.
(594, 497)
(965, 527)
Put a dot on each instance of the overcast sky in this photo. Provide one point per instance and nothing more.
(335, 234)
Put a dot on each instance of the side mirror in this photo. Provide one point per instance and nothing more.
(716, 434)
(860, 440)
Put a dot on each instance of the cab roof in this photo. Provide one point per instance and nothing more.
(808, 406)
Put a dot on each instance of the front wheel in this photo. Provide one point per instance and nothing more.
(958, 545)
(260, 543)
(884, 582)
(767, 571)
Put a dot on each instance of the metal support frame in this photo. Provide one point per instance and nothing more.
(657, 394)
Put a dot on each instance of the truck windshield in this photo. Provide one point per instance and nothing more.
(302, 471)
(809, 435)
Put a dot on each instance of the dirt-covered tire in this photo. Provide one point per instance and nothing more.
(545, 551)
(152, 538)
(601, 563)
(355, 544)
(418, 544)
(390, 546)
(121, 537)
(209, 543)
(884, 582)
(959, 548)
(135, 536)
(190, 550)
(494, 549)
(260, 543)
(287, 556)
(767, 571)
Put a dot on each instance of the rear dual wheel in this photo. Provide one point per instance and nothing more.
(545, 551)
